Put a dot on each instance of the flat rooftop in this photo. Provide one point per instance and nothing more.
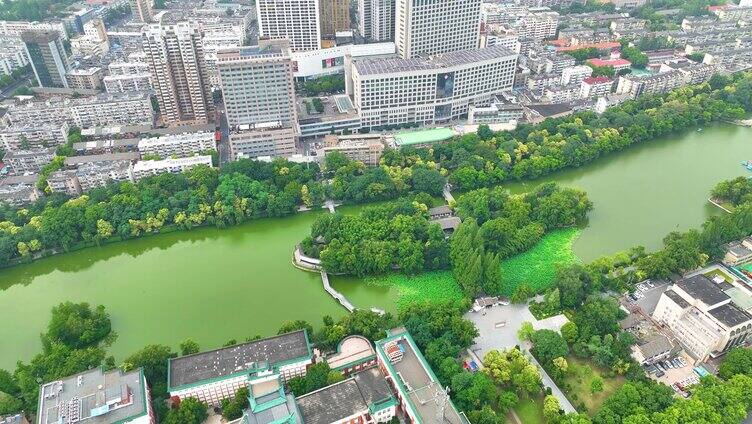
(740, 297)
(700, 287)
(191, 369)
(446, 60)
(352, 349)
(344, 399)
(107, 157)
(417, 382)
(676, 298)
(730, 315)
(96, 398)
(432, 135)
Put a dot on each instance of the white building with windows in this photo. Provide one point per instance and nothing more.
(215, 375)
(703, 317)
(540, 23)
(259, 94)
(16, 28)
(257, 85)
(433, 27)
(12, 54)
(294, 20)
(595, 87)
(19, 137)
(178, 145)
(147, 168)
(28, 161)
(101, 110)
(128, 76)
(179, 75)
(113, 109)
(269, 139)
(430, 90)
(575, 74)
(376, 19)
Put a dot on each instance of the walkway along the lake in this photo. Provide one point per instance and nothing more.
(307, 263)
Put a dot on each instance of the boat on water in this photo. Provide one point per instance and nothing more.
(747, 164)
(699, 129)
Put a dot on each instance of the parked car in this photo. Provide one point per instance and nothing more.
(659, 373)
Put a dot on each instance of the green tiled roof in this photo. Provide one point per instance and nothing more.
(432, 135)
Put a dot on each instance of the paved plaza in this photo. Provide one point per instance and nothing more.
(497, 328)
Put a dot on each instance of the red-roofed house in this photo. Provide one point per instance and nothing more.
(595, 87)
(617, 64)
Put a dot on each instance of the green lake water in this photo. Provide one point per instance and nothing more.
(214, 285)
(208, 284)
(639, 195)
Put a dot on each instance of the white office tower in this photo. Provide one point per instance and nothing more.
(439, 26)
(179, 77)
(259, 94)
(376, 19)
(431, 90)
(142, 10)
(294, 20)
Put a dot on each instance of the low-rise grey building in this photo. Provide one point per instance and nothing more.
(19, 190)
(178, 145)
(96, 397)
(28, 161)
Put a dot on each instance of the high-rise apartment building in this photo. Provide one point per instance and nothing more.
(178, 71)
(259, 95)
(47, 56)
(257, 84)
(439, 26)
(294, 20)
(143, 10)
(376, 19)
(335, 16)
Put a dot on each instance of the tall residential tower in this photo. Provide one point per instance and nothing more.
(294, 20)
(259, 94)
(335, 16)
(142, 10)
(439, 26)
(179, 77)
(376, 19)
(47, 56)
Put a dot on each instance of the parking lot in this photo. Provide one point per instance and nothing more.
(646, 296)
(679, 377)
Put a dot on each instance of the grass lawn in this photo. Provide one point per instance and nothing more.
(537, 266)
(579, 376)
(717, 272)
(530, 411)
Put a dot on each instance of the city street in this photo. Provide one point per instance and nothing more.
(223, 146)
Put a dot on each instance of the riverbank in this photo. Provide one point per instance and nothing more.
(726, 207)
(215, 284)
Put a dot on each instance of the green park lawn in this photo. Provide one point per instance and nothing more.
(537, 266)
(529, 410)
(579, 377)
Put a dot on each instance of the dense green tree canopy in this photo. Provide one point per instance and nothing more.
(77, 325)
